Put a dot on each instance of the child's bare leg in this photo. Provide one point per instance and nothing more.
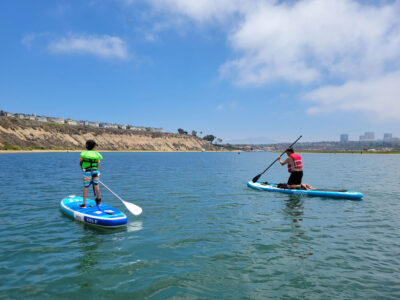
(97, 189)
(85, 191)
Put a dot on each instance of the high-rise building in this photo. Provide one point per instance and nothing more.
(387, 137)
(368, 136)
(344, 137)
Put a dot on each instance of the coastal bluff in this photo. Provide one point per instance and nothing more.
(18, 134)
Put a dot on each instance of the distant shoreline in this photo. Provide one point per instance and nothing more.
(347, 152)
(226, 151)
(99, 150)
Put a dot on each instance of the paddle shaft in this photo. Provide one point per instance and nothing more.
(111, 191)
(259, 175)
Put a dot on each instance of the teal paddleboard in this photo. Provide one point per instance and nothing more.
(339, 194)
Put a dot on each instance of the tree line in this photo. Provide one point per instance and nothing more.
(208, 137)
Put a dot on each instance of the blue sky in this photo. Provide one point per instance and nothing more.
(266, 70)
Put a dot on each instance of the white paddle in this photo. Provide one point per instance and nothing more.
(134, 209)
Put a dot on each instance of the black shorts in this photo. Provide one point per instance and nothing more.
(295, 178)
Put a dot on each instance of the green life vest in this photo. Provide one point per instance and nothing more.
(90, 159)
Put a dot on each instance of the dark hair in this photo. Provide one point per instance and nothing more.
(290, 150)
(90, 144)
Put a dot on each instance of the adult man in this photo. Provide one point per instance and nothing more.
(295, 168)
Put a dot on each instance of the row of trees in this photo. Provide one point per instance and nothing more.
(208, 137)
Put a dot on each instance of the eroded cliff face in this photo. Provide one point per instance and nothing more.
(16, 134)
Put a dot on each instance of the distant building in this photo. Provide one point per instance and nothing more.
(157, 129)
(138, 128)
(344, 137)
(41, 119)
(368, 136)
(79, 123)
(387, 137)
(72, 122)
(29, 117)
(92, 124)
(56, 120)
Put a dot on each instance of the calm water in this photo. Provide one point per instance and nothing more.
(203, 234)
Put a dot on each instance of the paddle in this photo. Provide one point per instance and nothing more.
(134, 209)
(255, 179)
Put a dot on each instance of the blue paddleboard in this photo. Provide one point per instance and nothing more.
(272, 187)
(103, 215)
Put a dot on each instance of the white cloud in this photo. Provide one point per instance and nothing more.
(29, 39)
(380, 97)
(220, 107)
(309, 42)
(299, 41)
(311, 39)
(104, 46)
(200, 10)
(60, 9)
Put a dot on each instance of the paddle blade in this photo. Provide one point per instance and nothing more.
(134, 209)
(255, 179)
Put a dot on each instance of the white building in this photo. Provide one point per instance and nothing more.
(138, 128)
(72, 122)
(29, 117)
(93, 124)
(108, 125)
(56, 120)
(41, 118)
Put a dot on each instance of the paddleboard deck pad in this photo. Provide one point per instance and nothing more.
(103, 215)
(339, 194)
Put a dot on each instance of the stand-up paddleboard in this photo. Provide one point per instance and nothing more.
(339, 194)
(103, 215)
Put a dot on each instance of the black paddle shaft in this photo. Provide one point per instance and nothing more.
(259, 175)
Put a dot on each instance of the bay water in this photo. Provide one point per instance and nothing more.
(203, 233)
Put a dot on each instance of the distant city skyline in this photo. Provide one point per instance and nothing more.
(367, 136)
(257, 70)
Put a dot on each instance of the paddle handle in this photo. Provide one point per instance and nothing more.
(259, 175)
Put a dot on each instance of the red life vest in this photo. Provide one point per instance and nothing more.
(296, 161)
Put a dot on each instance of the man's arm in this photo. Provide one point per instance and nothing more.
(286, 161)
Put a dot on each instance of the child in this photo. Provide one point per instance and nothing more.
(90, 161)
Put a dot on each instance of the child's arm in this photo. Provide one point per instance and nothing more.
(81, 162)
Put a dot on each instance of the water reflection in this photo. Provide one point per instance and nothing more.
(135, 226)
(89, 244)
(295, 210)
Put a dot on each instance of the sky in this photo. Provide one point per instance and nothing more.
(254, 70)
